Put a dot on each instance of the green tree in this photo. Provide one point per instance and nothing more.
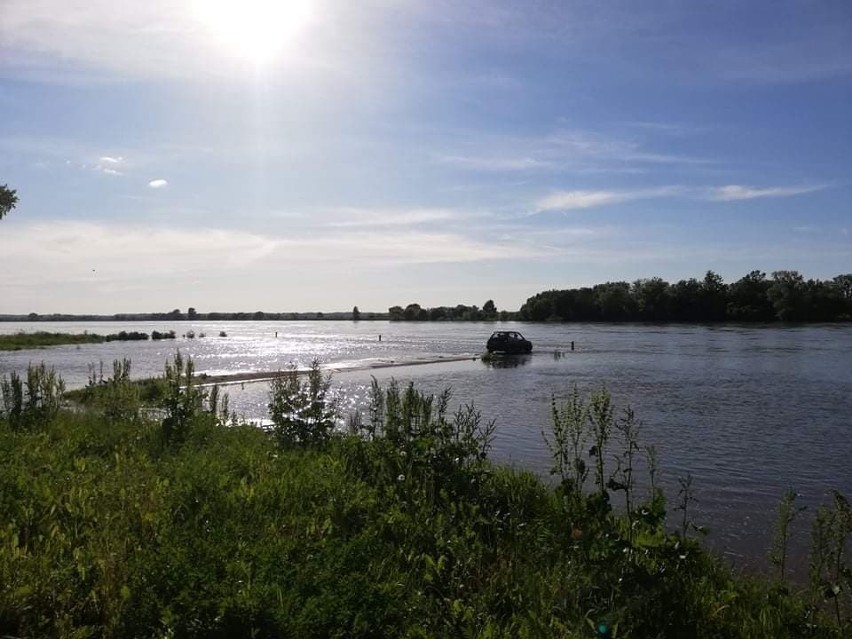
(489, 311)
(844, 286)
(652, 298)
(8, 200)
(714, 297)
(788, 295)
(748, 300)
(414, 312)
(614, 301)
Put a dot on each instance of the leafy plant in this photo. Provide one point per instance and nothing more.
(33, 402)
(302, 412)
(830, 567)
(183, 399)
(787, 512)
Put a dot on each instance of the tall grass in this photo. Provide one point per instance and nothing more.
(187, 524)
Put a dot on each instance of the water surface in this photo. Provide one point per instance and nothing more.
(747, 410)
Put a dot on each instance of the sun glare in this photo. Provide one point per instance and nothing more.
(254, 29)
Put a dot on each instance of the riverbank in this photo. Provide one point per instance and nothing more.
(199, 526)
(44, 339)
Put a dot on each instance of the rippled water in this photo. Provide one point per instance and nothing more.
(748, 411)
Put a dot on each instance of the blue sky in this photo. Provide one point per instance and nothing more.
(317, 155)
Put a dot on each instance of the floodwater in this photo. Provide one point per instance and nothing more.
(748, 411)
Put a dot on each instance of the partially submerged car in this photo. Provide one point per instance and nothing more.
(508, 342)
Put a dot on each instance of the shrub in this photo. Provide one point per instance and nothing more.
(34, 402)
(183, 400)
(124, 336)
(118, 398)
(302, 412)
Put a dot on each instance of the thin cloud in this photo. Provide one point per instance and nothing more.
(733, 192)
(496, 163)
(571, 200)
(353, 217)
(559, 151)
(64, 250)
(109, 165)
(158, 184)
(578, 200)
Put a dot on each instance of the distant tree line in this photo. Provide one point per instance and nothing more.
(785, 296)
(192, 316)
(459, 313)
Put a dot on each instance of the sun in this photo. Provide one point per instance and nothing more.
(257, 30)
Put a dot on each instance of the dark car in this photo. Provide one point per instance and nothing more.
(508, 342)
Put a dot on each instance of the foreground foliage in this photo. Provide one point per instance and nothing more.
(117, 525)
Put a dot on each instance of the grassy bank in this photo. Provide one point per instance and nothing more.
(43, 339)
(113, 525)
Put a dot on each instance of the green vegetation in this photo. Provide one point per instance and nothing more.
(786, 297)
(191, 315)
(189, 524)
(459, 313)
(125, 336)
(8, 200)
(21, 341)
(41, 339)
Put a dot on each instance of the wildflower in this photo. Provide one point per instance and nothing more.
(401, 477)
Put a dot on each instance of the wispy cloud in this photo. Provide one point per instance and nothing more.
(575, 200)
(587, 199)
(732, 192)
(578, 151)
(158, 183)
(353, 217)
(66, 251)
(495, 163)
(109, 165)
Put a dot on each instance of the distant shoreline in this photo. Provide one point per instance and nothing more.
(200, 317)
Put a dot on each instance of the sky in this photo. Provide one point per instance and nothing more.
(315, 155)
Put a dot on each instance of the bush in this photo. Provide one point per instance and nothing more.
(124, 336)
(117, 396)
(302, 413)
(32, 403)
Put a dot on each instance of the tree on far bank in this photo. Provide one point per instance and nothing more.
(489, 310)
(8, 200)
(356, 314)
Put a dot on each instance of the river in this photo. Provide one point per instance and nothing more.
(748, 410)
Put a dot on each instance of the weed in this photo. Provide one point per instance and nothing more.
(33, 402)
(787, 512)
